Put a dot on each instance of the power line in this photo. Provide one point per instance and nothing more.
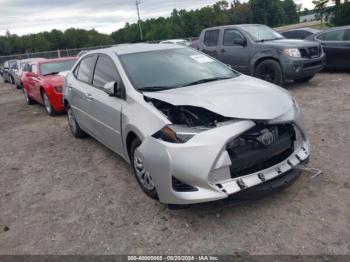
(139, 20)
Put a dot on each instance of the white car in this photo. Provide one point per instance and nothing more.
(176, 42)
(193, 129)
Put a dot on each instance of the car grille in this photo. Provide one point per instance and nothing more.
(311, 52)
(251, 152)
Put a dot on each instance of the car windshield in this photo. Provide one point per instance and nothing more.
(172, 68)
(261, 33)
(56, 67)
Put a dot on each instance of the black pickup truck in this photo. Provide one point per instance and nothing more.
(260, 51)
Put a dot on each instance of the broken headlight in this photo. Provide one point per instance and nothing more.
(177, 133)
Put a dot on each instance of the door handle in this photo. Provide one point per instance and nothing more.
(89, 96)
(69, 86)
(223, 50)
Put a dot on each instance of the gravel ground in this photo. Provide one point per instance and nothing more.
(60, 195)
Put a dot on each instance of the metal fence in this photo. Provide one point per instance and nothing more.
(63, 52)
(49, 54)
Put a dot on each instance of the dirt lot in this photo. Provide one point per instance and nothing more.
(60, 195)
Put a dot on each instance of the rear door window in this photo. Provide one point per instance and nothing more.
(337, 35)
(85, 68)
(211, 37)
(105, 72)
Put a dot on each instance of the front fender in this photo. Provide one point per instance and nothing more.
(261, 55)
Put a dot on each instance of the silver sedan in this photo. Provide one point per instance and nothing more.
(193, 129)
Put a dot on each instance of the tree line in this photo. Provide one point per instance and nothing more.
(180, 24)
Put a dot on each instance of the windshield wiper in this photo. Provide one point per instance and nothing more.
(154, 88)
(205, 80)
(52, 73)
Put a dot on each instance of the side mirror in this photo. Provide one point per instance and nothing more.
(114, 89)
(110, 87)
(240, 41)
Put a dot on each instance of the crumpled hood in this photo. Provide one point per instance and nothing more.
(241, 97)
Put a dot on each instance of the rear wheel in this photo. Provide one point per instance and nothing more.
(47, 104)
(143, 176)
(270, 71)
(305, 79)
(28, 99)
(73, 124)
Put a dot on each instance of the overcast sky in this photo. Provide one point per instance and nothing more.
(25, 16)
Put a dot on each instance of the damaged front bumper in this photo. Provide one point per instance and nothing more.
(201, 166)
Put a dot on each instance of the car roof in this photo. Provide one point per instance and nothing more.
(313, 30)
(231, 26)
(11, 61)
(174, 40)
(31, 59)
(136, 48)
(52, 60)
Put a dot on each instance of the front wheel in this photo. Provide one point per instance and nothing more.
(305, 79)
(143, 176)
(270, 71)
(47, 104)
(28, 99)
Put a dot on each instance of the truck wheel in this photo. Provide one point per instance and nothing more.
(305, 79)
(270, 71)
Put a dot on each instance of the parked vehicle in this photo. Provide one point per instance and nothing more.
(260, 51)
(18, 70)
(7, 71)
(299, 33)
(43, 81)
(176, 42)
(82, 52)
(193, 129)
(336, 45)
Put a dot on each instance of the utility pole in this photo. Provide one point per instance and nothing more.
(139, 20)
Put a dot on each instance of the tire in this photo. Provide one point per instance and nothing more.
(142, 176)
(303, 80)
(47, 104)
(270, 71)
(73, 124)
(28, 99)
(12, 80)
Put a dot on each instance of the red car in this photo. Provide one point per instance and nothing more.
(43, 81)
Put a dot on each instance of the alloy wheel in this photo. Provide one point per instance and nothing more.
(71, 121)
(47, 103)
(143, 174)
